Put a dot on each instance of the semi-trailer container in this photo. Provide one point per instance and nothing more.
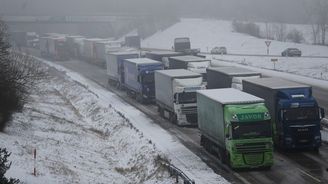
(89, 48)
(114, 65)
(57, 48)
(72, 46)
(162, 56)
(44, 46)
(102, 48)
(192, 63)
(229, 77)
(139, 78)
(236, 126)
(175, 92)
(54, 47)
(295, 112)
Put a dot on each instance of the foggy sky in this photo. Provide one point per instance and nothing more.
(276, 10)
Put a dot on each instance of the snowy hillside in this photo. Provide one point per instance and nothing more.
(78, 140)
(85, 134)
(206, 34)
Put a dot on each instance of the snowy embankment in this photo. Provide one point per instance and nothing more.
(86, 134)
(170, 146)
(206, 34)
(78, 138)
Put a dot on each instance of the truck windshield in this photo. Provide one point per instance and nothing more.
(148, 78)
(247, 130)
(187, 97)
(311, 113)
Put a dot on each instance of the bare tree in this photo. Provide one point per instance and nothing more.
(19, 74)
(317, 12)
(279, 30)
(323, 19)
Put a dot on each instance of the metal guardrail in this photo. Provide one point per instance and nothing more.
(176, 172)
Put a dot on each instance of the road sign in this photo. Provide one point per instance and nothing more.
(274, 60)
(267, 42)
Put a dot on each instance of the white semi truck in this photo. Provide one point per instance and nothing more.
(175, 92)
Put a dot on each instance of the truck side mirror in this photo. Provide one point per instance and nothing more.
(322, 112)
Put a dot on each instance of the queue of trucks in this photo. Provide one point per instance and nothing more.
(240, 114)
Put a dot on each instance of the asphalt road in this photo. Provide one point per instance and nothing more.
(300, 168)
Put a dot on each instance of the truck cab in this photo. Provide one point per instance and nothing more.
(175, 92)
(296, 114)
(139, 78)
(299, 119)
(185, 99)
(236, 126)
(248, 136)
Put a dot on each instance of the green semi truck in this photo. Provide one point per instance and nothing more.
(236, 127)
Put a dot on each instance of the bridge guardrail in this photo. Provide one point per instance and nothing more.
(174, 171)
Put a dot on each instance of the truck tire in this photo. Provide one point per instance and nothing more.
(222, 155)
(140, 98)
(173, 118)
(161, 111)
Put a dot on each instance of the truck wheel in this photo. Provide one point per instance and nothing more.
(173, 118)
(139, 98)
(161, 111)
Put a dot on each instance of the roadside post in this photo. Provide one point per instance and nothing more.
(274, 60)
(268, 42)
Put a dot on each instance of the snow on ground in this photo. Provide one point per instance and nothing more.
(170, 146)
(306, 80)
(310, 67)
(79, 139)
(207, 33)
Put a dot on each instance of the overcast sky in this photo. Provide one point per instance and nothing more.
(278, 10)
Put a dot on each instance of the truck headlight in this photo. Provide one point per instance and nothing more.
(267, 114)
(318, 137)
(235, 117)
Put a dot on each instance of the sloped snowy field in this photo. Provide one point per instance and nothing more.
(309, 67)
(206, 34)
(78, 140)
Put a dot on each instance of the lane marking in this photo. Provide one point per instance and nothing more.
(314, 178)
(244, 180)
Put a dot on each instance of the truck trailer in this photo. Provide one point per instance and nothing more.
(228, 77)
(102, 48)
(115, 68)
(183, 44)
(236, 127)
(295, 112)
(175, 92)
(54, 47)
(192, 63)
(58, 49)
(163, 56)
(139, 78)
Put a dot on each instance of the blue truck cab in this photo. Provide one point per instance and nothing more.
(139, 78)
(295, 112)
(114, 66)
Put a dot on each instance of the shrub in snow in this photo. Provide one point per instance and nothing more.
(295, 36)
(4, 166)
(247, 28)
(18, 75)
